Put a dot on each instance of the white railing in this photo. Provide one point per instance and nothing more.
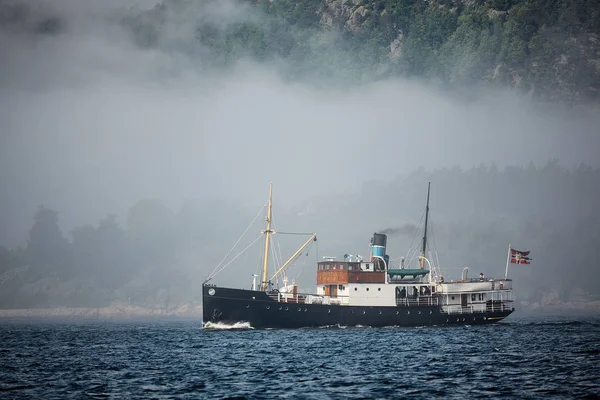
(419, 301)
(476, 308)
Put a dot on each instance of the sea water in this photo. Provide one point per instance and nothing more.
(521, 357)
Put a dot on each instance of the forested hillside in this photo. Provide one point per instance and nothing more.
(549, 49)
(105, 108)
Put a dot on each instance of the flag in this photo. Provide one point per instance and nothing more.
(522, 253)
(519, 257)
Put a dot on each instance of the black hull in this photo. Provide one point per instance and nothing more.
(230, 306)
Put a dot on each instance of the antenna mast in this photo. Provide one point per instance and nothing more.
(425, 233)
(267, 232)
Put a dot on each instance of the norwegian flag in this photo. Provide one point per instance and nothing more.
(519, 257)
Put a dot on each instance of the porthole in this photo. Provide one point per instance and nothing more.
(268, 307)
(473, 318)
(286, 308)
(367, 289)
(351, 311)
(463, 320)
(305, 309)
(419, 313)
(408, 312)
(447, 320)
(457, 319)
(299, 309)
(247, 305)
(364, 312)
(430, 312)
(379, 289)
(452, 297)
(355, 289)
(280, 308)
(484, 318)
(397, 312)
(380, 312)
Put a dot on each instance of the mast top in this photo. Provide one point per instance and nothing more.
(267, 232)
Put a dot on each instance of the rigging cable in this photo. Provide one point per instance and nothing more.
(235, 258)
(213, 274)
(304, 263)
(435, 250)
(408, 256)
(279, 262)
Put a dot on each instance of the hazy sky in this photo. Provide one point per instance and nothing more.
(90, 124)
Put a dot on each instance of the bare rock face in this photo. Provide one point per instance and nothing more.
(357, 18)
(350, 14)
(500, 74)
(396, 47)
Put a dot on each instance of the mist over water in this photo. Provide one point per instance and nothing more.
(92, 123)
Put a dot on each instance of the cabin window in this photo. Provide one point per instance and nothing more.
(433, 289)
(341, 287)
(320, 267)
(327, 266)
(349, 267)
(341, 266)
(334, 266)
(401, 292)
(473, 297)
(452, 297)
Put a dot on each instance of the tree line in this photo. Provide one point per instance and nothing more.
(158, 258)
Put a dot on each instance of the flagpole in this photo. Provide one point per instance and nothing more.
(507, 261)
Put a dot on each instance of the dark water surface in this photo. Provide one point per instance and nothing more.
(519, 358)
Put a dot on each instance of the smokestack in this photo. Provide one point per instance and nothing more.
(378, 243)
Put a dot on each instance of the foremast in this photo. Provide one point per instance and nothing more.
(267, 232)
(264, 284)
(425, 231)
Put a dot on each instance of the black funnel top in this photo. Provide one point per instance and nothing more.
(379, 239)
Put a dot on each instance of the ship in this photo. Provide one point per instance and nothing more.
(370, 292)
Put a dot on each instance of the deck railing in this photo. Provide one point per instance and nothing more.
(422, 301)
(478, 308)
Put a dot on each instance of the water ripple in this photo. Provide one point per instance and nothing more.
(522, 358)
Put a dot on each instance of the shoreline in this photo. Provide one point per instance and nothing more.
(110, 312)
